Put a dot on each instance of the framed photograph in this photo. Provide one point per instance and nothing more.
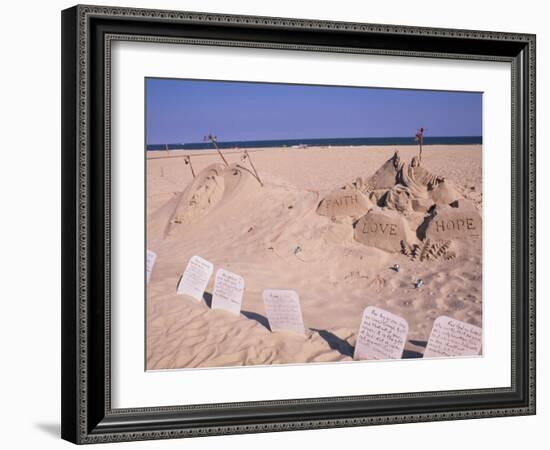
(281, 224)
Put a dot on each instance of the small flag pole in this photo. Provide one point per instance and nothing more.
(214, 140)
(187, 160)
(253, 168)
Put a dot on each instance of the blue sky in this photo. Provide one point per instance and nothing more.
(183, 111)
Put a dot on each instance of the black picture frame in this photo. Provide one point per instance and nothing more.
(87, 32)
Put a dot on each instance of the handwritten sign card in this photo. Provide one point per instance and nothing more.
(195, 278)
(283, 310)
(150, 262)
(382, 335)
(450, 337)
(228, 291)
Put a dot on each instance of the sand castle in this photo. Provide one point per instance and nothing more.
(385, 206)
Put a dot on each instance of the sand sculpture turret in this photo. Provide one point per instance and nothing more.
(409, 187)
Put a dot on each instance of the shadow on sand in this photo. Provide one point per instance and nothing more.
(411, 354)
(336, 343)
(207, 297)
(262, 320)
(418, 343)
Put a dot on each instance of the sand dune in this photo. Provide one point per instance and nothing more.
(273, 237)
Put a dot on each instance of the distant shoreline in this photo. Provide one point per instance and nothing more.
(180, 153)
(331, 142)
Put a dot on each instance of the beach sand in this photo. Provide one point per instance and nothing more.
(254, 231)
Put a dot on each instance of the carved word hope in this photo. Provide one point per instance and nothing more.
(454, 224)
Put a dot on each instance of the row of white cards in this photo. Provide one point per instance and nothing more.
(282, 306)
(228, 286)
(382, 334)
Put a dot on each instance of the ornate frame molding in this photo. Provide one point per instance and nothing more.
(80, 423)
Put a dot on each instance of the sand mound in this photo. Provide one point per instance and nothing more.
(398, 198)
(159, 220)
(445, 193)
(217, 185)
(403, 187)
(386, 176)
(204, 192)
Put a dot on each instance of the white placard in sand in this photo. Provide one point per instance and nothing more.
(228, 291)
(151, 258)
(195, 278)
(283, 310)
(382, 335)
(450, 337)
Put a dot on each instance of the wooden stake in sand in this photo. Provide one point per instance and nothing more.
(246, 157)
(214, 141)
(419, 137)
(187, 160)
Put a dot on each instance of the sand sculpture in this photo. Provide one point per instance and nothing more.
(402, 207)
(458, 220)
(203, 193)
(383, 229)
(414, 187)
(384, 204)
(215, 186)
(348, 201)
(429, 250)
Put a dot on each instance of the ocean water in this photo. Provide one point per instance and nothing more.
(344, 142)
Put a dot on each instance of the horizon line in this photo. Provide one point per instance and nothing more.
(318, 139)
